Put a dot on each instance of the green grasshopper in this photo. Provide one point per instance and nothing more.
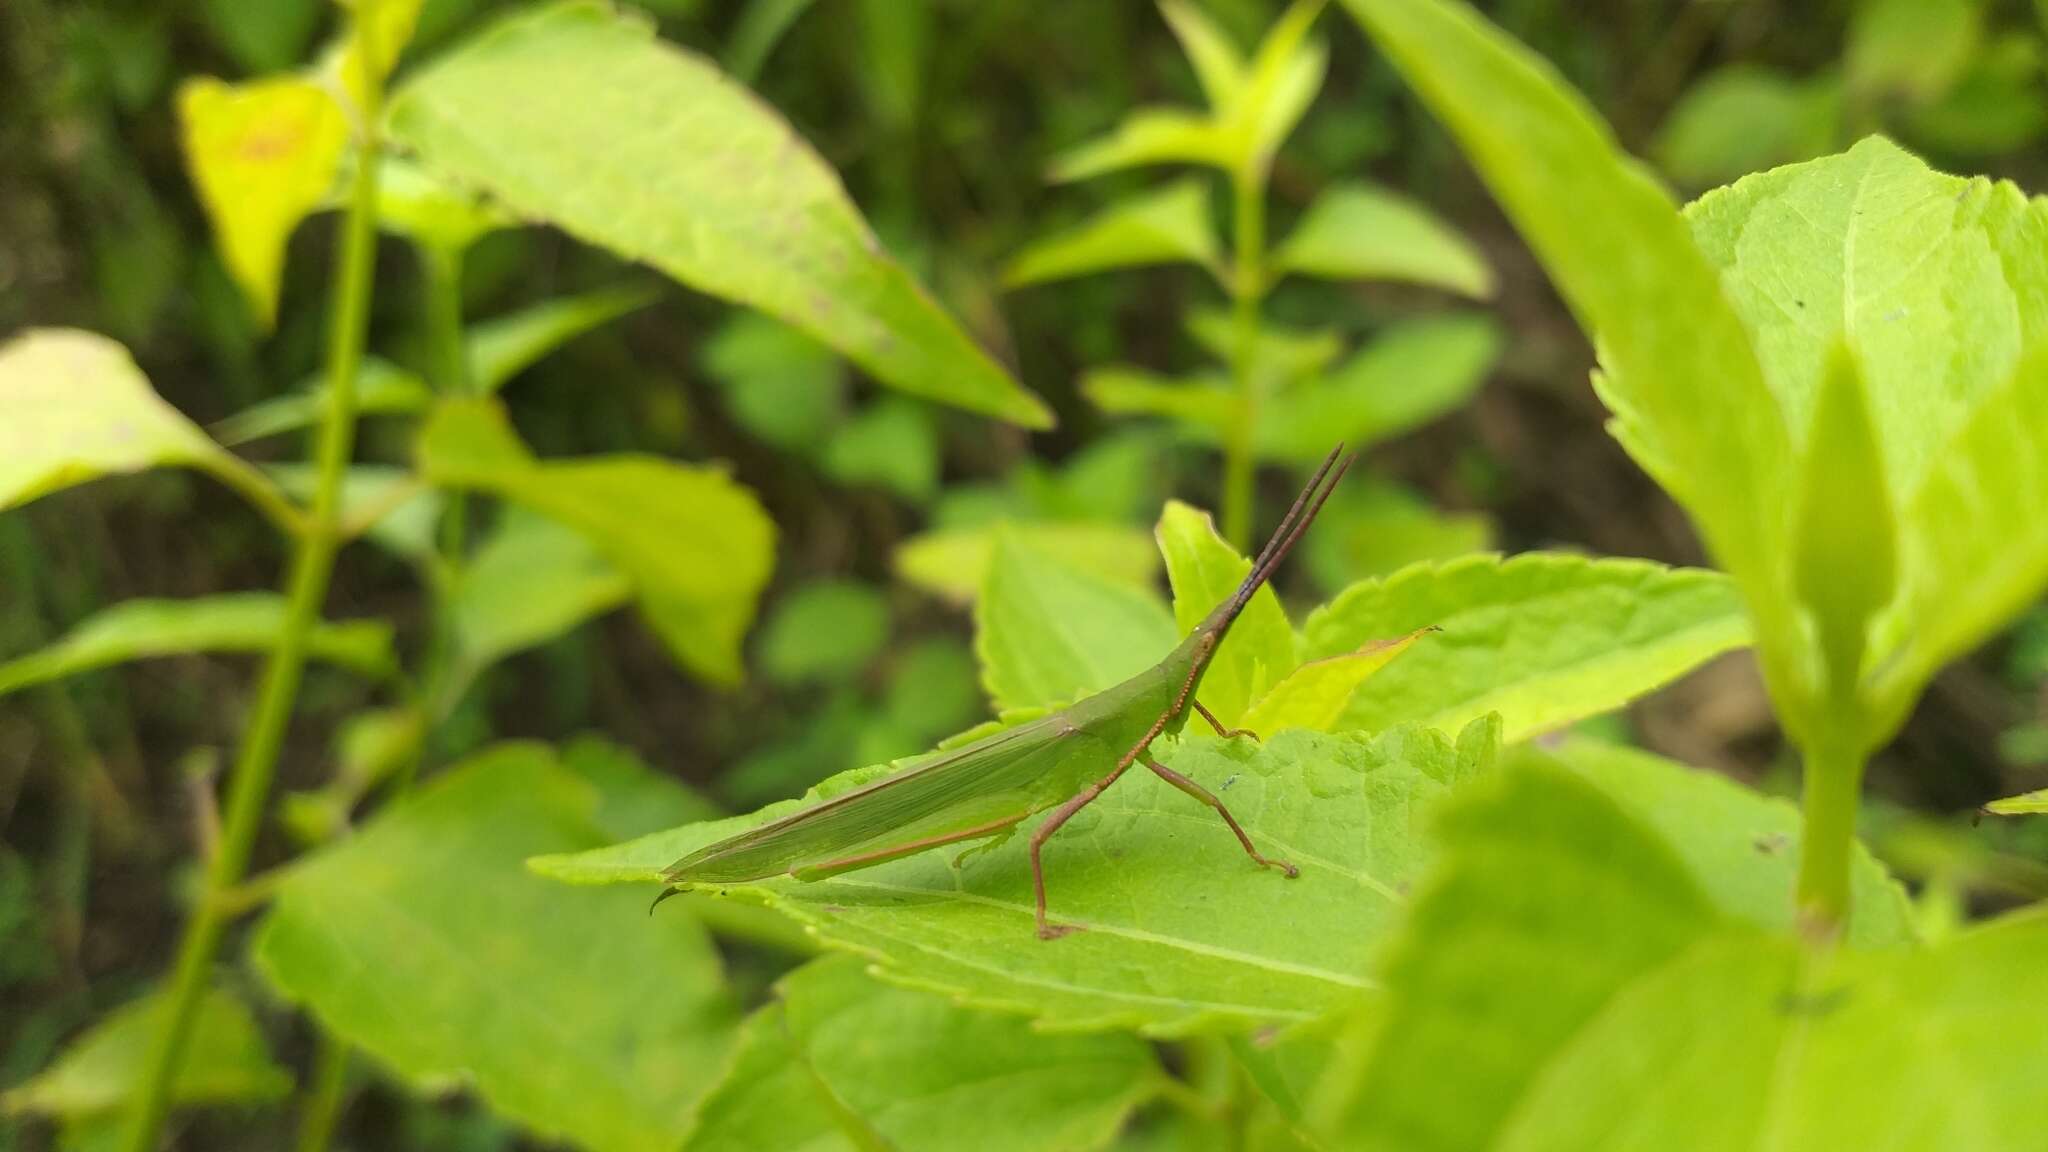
(988, 787)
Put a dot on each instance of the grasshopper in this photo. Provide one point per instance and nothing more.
(987, 787)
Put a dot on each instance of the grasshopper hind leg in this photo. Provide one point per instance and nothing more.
(1209, 798)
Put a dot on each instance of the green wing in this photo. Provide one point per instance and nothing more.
(977, 790)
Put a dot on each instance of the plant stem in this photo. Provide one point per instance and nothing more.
(1833, 790)
(312, 563)
(330, 1077)
(1248, 287)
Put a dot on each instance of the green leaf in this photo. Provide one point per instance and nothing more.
(1745, 118)
(262, 156)
(578, 116)
(382, 388)
(1202, 405)
(249, 622)
(1184, 934)
(1219, 66)
(1844, 558)
(78, 409)
(1361, 232)
(502, 347)
(1414, 372)
(696, 546)
(1935, 282)
(542, 1000)
(1975, 535)
(828, 630)
(1575, 945)
(431, 212)
(226, 1062)
(1048, 632)
(1204, 571)
(955, 563)
(892, 444)
(1543, 639)
(1147, 137)
(2025, 804)
(1911, 50)
(1689, 398)
(531, 580)
(1166, 226)
(841, 1052)
(779, 384)
(1372, 527)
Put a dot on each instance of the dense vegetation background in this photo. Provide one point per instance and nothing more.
(942, 117)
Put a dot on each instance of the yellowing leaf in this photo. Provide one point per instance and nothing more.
(77, 408)
(1316, 694)
(263, 156)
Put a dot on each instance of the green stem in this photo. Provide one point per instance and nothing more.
(323, 1108)
(1833, 789)
(312, 563)
(1247, 288)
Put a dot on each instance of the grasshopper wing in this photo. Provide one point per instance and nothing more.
(976, 790)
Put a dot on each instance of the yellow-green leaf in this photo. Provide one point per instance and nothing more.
(263, 156)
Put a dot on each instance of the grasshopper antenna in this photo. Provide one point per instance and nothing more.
(1291, 526)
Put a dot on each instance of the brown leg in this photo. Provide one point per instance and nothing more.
(1226, 733)
(1207, 797)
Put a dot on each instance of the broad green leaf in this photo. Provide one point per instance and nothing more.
(892, 444)
(382, 388)
(955, 563)
(1219, 66)
(502, 347)
(1280, 355)
(1316, 694)
(779, 384)
(389, 506)
(263, 156)
(840, 1050)
(1147, 137)
(696, 546)
(1413, 373)
(1745, 118)
(827, 631)
(1844, 550)
(1936, 283)
(1162, 227)
(1543, 639)
(1910, 50)
(1204, 571)
(1372, 527)
(1201, 405)
(1590, 954)
(226, 1062)
(1048, 632)
(78, 409)
(1183, 933)
(2024, 804)
(249, 622)
(1689, 397)
(531, 580)
(578, 116)
(541, 999)
(430, 212)
(1975, 537)
(1362, 232)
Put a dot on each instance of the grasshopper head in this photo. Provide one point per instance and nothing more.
(1202, 643)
